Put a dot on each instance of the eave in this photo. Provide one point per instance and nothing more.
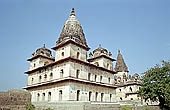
(72, 60)
(30, 59)
(69, 79)
(70, 42)
(129, 83)
(101, 56)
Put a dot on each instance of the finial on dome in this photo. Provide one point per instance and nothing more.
(43, 45)
(100, 45)
(118, 51)
(72, 12)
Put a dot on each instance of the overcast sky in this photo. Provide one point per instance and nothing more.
(139, 28)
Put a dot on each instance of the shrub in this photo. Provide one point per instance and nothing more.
(126, 107)
(30, 107)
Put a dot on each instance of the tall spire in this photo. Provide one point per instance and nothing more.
(73, 31)
(120, 63)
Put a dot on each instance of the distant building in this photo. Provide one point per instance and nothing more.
(73, 76)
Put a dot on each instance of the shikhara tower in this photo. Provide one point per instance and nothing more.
(71, 75)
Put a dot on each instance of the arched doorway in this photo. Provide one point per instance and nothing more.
(60, 95)
(90, 93)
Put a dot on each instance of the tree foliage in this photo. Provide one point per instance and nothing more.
(30, 107)
(156, 84)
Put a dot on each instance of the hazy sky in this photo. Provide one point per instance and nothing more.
(139, 28)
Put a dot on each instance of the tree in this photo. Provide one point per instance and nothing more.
(30, 107)
(156, 84)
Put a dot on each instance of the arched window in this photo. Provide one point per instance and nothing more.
(32, 80)
(43, 97)
(101, 78)
(61, 73)
(121, 98)
(78, 55)
(45, 77)
(130, 89)
(102, 95)
(49, 96)
(60, 95)
(40, 78)
(89, 76)
(110, 97)
(34, 64)
(107, 65)
(109, 80)
(62, 54)
(90, 94)
(96, 96)
(51, 75)
(38, 97)
(78, 95)
(77, 73)
(95, 78)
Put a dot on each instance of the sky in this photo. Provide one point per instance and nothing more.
(139, 28)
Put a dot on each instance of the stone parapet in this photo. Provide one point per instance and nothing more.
(74, 105)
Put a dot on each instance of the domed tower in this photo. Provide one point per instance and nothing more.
(101, 57)
(72, 42)
(41, 57)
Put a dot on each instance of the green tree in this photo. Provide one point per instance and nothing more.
(30, 107)
(156, 84)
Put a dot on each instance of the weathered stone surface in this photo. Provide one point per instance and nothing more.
(14, 100)
(72, 30)
(120, 64)
(75, 105)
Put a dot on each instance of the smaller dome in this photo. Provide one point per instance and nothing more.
(43, 51)
(101, 51)
(136, 76)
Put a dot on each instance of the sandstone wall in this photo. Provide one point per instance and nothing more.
(14, 100)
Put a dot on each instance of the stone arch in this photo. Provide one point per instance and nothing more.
(40, 78)
(130, 88)
(77, 73)
(49, 96)
(43, 96)
(61, 73)
(78, 95)
(51, 75)
(38, 97)
(60, 95)
(96, 96)
(78, 55)
(102, 96)
(90, 95)
(89, 76)
(45, 77)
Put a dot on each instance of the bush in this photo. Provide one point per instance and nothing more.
(30, 107)
(126, 107)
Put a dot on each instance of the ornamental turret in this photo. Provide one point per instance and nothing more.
(101, 57)
(41, 57)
